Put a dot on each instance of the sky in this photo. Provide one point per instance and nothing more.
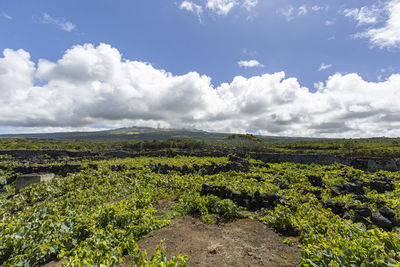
(273, 67)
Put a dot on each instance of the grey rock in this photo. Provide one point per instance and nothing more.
(336, 191)
(387, 212)
(28, 179)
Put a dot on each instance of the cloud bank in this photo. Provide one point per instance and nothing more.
(382, 36)
(95, 85)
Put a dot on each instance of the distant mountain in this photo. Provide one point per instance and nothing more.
(142, 134)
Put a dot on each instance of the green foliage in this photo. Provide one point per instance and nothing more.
(42, 144)
(97, 217)
(243, 143)
(245, 137)
(203, 206)
(159, 258)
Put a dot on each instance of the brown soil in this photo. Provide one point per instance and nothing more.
(54, 263)
(243, 242)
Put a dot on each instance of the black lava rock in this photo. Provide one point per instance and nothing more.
(337, 207)
(316, 193)
(387, 212)
(363, 211)
(315, 180)
(348, 216)
(281, 184)
(381, 221)
(336, 191)
(381, 185)
(362, 198)
(93, 166)
(256, 177)
(291, 230)
(118, 167)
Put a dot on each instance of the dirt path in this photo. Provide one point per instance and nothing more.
(243, 242)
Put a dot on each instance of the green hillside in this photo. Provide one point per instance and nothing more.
(144, 134)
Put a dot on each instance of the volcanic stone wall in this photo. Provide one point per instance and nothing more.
(27, 154)
(365, 163)
(322, 159)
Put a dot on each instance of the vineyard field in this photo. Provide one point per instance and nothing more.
(335, 215)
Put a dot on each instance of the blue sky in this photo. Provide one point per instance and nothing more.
(311, 41)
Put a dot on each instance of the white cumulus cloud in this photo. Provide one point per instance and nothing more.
(221, 7)
(250, 63)
(250, 4)
(382, 36)
(319, 8)
(291, 13)
(388, 35)
(364, 15)
(302, 10)
(324, 66)
(93, 85)
(61, 23)
(192, 7)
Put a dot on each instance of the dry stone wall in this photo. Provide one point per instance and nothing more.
(365, 163)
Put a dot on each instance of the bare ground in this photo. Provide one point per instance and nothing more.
(243, 242)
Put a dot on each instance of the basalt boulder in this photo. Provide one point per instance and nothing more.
(236, 164)
(118, 167)
(250, 201)
(281, 184)
(317, 193)
(289, 230)
(362, 211)
(387, 212)
(381, 185)
(355, 187)
(93, 166)
(315, 180)
(258, 178)
(338, 208)
(363, 198)
(381, 221)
